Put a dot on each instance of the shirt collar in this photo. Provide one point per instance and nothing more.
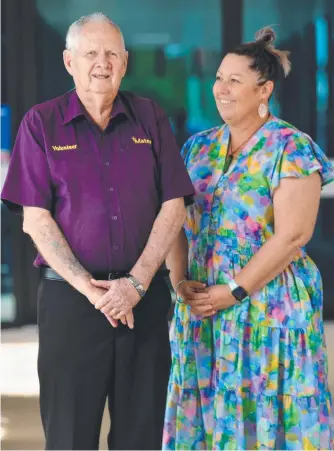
(119, 107)
(75, 108)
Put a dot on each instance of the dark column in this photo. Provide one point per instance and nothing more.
(19, 72)
(20, 69)
(232, 23)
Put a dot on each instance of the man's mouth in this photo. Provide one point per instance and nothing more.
(100, 76)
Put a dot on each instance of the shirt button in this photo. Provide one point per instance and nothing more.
(107, 163)
(111, 189)
(116, 247)
(114, 218)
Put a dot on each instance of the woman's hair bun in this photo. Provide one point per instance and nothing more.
(265, 36)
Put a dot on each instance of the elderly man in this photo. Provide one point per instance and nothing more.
(103, 191)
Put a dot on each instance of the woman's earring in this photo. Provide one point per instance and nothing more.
(262, 110)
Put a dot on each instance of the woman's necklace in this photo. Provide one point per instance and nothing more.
(230, 153)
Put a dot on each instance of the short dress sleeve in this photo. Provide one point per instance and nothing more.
(300, 157)
(186, 150)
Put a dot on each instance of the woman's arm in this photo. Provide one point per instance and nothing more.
(177, 259)
(191, 291)
(296, 204)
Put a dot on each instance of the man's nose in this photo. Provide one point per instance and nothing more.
(102, 59)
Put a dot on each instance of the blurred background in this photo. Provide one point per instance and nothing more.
(175, 47)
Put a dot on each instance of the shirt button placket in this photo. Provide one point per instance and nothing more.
(116, 225)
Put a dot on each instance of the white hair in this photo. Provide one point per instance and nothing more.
(75, 28)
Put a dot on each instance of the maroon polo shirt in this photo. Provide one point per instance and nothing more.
(104, 189)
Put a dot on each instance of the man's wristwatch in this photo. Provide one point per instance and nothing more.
(136, 284)
(238, 292)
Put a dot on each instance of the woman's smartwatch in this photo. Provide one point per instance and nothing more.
(238, 292)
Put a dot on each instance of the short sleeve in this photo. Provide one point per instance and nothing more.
(300, 157)
(185, 151)
(28, 181)
(174, 178)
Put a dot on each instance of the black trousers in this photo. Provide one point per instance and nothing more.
(83, 361)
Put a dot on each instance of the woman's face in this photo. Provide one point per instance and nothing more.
(236, 89)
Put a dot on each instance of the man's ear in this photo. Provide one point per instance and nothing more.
(126, 57)
(67, 57)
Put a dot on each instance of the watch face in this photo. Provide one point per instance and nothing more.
(239, 293)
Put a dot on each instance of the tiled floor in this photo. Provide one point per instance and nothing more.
(21, 428)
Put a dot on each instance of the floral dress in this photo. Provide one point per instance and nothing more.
(253, 376)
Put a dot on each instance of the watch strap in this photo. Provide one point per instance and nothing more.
(136, 284)
(238, 292)
(232, 284)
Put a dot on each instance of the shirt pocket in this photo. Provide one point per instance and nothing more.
(138, 147)
(140, 159)
(140, 154)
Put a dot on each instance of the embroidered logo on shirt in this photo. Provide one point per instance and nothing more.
(59, 148)
(141, 140)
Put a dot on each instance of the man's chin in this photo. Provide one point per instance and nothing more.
(100, 87)
(101, 90)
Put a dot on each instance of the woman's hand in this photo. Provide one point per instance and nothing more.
(221, 297)
(194, 294)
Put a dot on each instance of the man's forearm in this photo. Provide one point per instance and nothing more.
(164, 232)
(52, 244)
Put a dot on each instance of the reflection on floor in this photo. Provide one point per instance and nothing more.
(21, 427)
(20, 423)
(8, 304)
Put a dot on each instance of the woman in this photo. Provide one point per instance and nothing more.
(249, 358)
